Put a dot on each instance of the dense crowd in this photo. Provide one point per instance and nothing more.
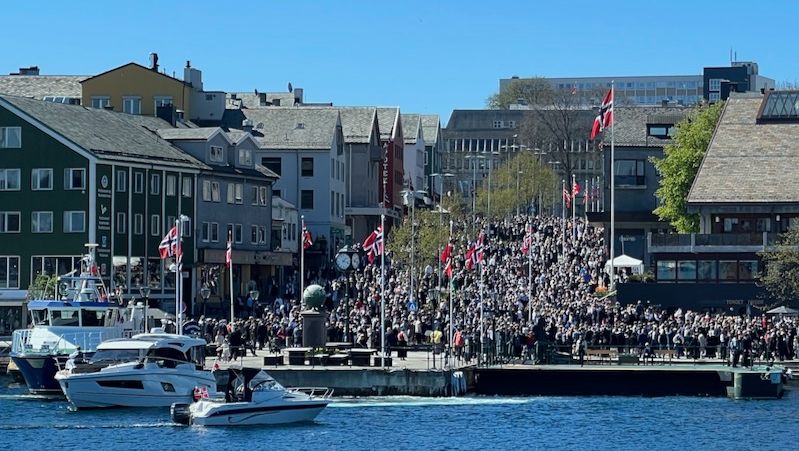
(551, 294)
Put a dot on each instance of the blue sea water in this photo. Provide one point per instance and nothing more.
(405, 423)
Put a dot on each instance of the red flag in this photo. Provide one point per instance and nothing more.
(229, 253)
(470, 258)
(567, 197)
(306, 240)
(528, 239)
(479, 250)
(446, 253)
(170, 246)
(448, 269)
(373, 244)
(575, 189)
(604, 119)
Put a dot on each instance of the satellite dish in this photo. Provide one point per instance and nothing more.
(291, 89)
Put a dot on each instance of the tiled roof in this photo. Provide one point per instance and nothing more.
(109, 135)
(431, 126)
(259, 171)
(410, 127)
(630, 124)
(385, 121)
(293, 128)
(40, 86)
(356, 123)
(748, 162)
(191, 134)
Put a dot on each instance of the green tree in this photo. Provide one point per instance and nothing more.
(429, 235)
(781, 275)
(532, 91)
(680, 164)
(42, 287)
(515, 183)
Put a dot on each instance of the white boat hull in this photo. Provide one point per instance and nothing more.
(209, 413)
(133, 387)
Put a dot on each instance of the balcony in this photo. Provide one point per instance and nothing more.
(714, 242)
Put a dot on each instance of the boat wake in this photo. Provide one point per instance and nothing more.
(18, 427)
(415, 401)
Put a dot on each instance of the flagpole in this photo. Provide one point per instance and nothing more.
(302, 259)
(178, 262)
(586, 199)
(530, 274)
(612, 186)
(574, 207)
(451, 314)
(230, 274)
(383, 294)
(563, 203)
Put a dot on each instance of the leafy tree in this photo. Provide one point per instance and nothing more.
(531, 91)
(42, 287)
(781, 275)
(680, 164)
(429, 235)
(515, 184)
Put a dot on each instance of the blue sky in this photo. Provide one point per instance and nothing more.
(425, 56)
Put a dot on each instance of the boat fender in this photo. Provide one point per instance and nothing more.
(180, 413)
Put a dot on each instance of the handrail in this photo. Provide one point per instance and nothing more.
(311, 391)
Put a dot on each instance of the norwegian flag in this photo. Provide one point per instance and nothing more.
(604, 119)
(170, 246)
(527, 243)
(567, 197)
(307, 241)
(479, 248)
(448, 269)
(229, 253)
(446, 253)
(575, 189)
(470, 257)
(373, 244)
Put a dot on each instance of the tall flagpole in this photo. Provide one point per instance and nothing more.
(574, 207)
(586, 199)
(178, 263)
(383, 294)
(612, 186)
(451, 313)
(302, 259)
(230, 274)
(530, 274)
(563, 203)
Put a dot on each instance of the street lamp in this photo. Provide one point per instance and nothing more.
(474, 185)
(254, 295)
(144, 291)
(347, 259)
(205, 293)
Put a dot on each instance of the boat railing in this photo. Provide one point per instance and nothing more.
(313, 392)
(62, 344)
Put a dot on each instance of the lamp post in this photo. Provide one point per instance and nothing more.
(474, 186)
(205, 293)
(144, 291)
(347, 260)
(254, 294)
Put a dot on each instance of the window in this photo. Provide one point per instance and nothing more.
(10, 179)
(229, 233)
(138, 182)
(75, 178)
(9, 272)
(274, 164)
(666, 269)
(186, 224)
(122, 181)
(215, 196)
(276, 193)
(155, 225)
(245, 157)
(630, 173)
(41, 179)
(686, 270)
(332, 203)
(707, 269)
(138, 223)
(155, 184)
(101, 101)
(748, 269)
(254, 234)
(161, 101)
(214, 232)
(306, 199)
(131, 105)
(10, 137)
(204, 231)
(660, 131)
(170, 221)
(74, 221)
(9, 222)
(42, 222)
(511, 124)
(217, 154)
(235, 193)
(714, 84)
(262, 195)
(307, 167)
(255, 195)
(728, 270)
(186, 186)
(714, 96)
(237, 233)
(171, 182)
(121, 223)
(207, 190)
(261, 235)
(497, 124)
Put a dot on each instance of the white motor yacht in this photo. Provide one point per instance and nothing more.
(146, 370)
(253, 397)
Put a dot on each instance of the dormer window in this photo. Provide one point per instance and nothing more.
(217, 154)
(662, 131)
(245, 157)
(779, 106)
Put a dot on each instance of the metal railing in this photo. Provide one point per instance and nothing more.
(60, 344)
(759, 239)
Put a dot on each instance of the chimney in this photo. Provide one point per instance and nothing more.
(664, 103)
(167, 113)
(154, 61)
(246, 125)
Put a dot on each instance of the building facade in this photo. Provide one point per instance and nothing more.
(433, 154)
(414, 153)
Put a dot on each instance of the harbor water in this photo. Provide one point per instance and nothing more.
(407, 423)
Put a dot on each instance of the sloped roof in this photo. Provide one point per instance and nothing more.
(630, 124)
(356, 123)
(431, 125)
(108, 135)
(410, 127)
(40, 86)
(747, 162)
(385, 120)
(189, 134)
(293, 128)
(137, 66)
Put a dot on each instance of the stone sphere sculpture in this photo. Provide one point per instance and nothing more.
(313, 297)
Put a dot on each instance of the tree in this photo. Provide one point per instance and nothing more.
(530, 91)
(42, 287)
(515, 183)
(680, 164)
(781, 275)
(430, 234)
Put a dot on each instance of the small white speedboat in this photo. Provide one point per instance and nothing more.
(146, 370)
(253, 398)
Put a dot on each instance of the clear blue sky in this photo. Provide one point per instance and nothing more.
(426, 56)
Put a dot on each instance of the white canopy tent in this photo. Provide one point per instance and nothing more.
(625, 261)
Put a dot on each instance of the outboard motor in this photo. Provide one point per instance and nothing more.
(180, 413)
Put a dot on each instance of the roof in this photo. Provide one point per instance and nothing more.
(386, 116)
(630, 124)
(357, 123)
(41, 86)
(431, 125)
(410, 127)
(106, 134)
(188, 134)
(137, 65)
(748, 162)
(293, 128)
(258, 171)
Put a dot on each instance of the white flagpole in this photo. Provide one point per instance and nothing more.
(230, 273)
(530, 274)
(612, 185)
(586, 199)
(178, 262)
(302, 258)
(563, 203)
(574, 208)
(383, 294)
(451, 314)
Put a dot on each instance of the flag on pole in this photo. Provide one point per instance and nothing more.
(373, 244)
(527, 243)
(567, 197)
(446, 253)
(575, 189)
(170, 245)
(307, 241)
(604, 119)
(448, 268)
(470, 257)
(479, 248)
(229, 253)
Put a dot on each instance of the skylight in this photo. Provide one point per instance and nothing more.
(780, 106)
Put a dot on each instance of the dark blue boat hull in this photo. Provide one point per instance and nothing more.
(39, 372)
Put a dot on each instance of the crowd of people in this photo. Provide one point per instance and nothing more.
(541, 280)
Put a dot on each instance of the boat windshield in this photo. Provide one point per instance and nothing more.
(167, 357)
(116, 355)
(264, 382)
(94, 318)
(40, 318)
(65, 318)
